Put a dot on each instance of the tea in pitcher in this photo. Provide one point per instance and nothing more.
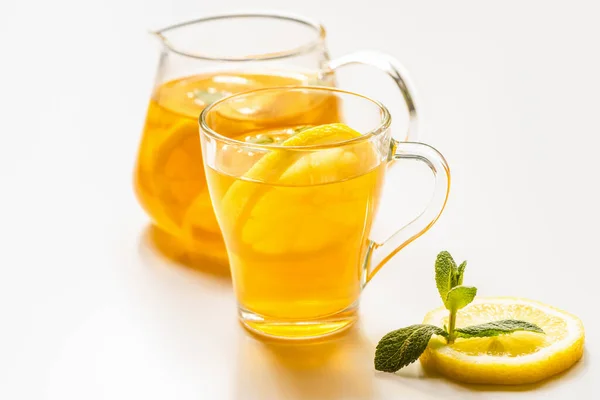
(170, 179)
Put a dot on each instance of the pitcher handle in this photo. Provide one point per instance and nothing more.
(380, 253)
(391, 67)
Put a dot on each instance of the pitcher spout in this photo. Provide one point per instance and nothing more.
(158, 35)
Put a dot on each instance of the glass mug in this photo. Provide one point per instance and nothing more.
(205, 60)
(296, 218)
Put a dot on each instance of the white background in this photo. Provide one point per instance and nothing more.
(508, 91)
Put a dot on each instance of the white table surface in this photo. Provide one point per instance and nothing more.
(508, 91)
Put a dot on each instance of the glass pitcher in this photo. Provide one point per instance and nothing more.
(204, 60)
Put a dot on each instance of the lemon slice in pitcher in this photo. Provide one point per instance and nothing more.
(200, 216)
(273, 105)
(289, 200)
(177, 170)
(519, 358)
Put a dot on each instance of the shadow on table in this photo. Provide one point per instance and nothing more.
(337, 367)
(156, 243)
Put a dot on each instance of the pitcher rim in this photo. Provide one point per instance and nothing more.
(383, 126)
(319, 29)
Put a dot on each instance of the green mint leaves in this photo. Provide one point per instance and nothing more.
(460, 272)
(445, 274)
(497, 328)
(404, 346)
(459, 297)
(260, 139)
(449, 279)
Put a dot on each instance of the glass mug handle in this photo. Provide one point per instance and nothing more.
(391, 67)
(380, 253)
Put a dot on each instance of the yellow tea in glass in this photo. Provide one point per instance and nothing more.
(296, 210)
(203, 62)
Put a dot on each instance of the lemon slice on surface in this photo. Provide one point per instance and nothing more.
(518, 358)
(286, 213)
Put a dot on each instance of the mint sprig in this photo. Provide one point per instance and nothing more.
(404, 346)
(497, 328)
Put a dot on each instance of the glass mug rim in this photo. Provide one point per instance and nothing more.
(319, 39)
(384, 124)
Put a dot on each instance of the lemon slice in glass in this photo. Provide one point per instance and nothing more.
(289, 200)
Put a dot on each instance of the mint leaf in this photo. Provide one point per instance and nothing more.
(404, 346)
(460, 273)
(497, 328)
(301, 128)
(260, 139)
(445, 270)
(459, 297)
